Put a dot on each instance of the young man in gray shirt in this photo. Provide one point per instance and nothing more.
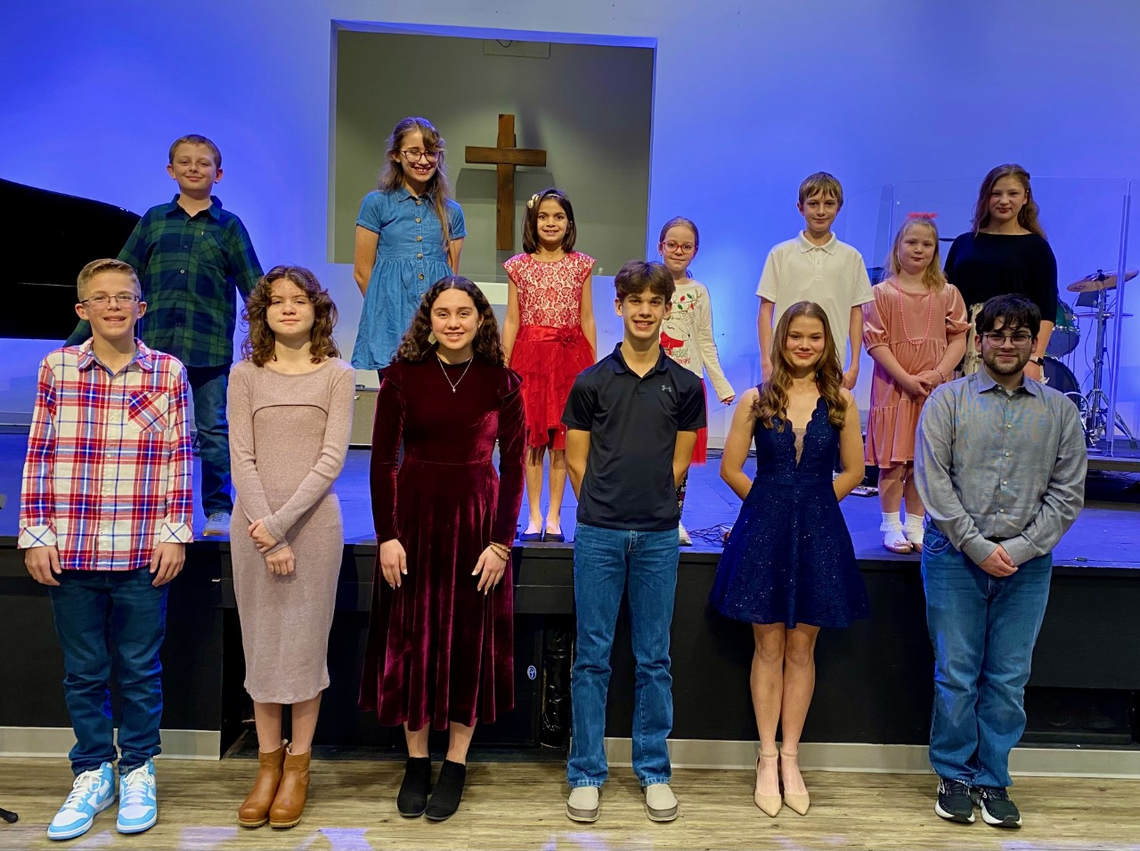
(1000, 464)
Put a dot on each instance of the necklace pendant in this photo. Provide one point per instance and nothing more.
(452, 389)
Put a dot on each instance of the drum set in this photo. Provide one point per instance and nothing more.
(1093, 292)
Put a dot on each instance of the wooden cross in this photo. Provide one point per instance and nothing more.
(505, 156)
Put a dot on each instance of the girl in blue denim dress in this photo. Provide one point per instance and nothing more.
(408, 236)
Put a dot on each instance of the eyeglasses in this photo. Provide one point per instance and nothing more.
(686, 247)
(101, 302)
(414, 155)
(1020, 339)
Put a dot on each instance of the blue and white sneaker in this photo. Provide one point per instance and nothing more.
(138, 804)
(91, 793)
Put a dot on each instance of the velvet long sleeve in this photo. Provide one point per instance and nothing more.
(512, 447)
(387, 432)
(440, 650)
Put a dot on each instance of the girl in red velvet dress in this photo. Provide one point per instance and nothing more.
(549, 337)
(440, 641)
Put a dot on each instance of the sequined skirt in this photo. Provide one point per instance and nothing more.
(789, 559)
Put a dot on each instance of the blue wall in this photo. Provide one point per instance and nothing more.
(750, 97)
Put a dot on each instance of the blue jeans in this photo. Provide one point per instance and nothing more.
(208, 385)
(105, 616)
(604, 561)
(983, 629)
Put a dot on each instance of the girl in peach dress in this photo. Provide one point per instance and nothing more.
(914, 330)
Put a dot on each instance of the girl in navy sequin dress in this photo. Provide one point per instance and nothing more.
(789, 567)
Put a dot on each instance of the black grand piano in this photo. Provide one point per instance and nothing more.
(50, 237)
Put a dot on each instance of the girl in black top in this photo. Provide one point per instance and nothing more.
(1006, 253)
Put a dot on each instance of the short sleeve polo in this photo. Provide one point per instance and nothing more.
(633, 423)
(832, 275)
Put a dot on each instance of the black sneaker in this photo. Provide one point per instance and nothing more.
(997, 808)
(954, 802)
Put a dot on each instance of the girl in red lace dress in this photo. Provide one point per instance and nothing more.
(548, 338)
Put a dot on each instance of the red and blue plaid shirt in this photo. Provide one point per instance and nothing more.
(109, 468)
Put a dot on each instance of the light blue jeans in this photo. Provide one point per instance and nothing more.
(605, 562)
(983, 629)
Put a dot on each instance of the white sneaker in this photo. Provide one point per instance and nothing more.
(91, 793)
(683, 536)
(217, 525)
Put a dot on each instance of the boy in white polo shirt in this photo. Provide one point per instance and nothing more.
(816, 266)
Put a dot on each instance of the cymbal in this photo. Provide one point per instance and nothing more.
(1099, 281)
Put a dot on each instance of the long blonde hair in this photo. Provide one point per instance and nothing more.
(933, 278)
(772, 403)
(392, 177)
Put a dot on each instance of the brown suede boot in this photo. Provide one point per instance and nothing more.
(254, 810)
(291, 794)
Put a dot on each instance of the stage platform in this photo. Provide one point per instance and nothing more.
(874, 679)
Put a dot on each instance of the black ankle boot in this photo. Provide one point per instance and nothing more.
(448, 791)
(413, 797)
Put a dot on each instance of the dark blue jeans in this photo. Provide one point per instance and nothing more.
(104, 617)
(208, 385)
(983, 629)
(604, 561)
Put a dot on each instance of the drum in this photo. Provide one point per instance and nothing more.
(1060, 377)
(1066, 334)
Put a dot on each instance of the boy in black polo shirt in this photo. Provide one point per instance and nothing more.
(632, 422)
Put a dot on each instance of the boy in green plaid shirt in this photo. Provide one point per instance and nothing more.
(190, 254)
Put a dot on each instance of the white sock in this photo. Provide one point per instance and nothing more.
(891, 523)
(914, 530)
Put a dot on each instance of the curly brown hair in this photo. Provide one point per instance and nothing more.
(772, 403)
(259, 342)
(418, 343)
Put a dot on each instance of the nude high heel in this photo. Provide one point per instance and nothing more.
(797, 802)
(768, 804)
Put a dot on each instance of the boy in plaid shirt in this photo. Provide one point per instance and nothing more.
(105, 514)
(190, 254)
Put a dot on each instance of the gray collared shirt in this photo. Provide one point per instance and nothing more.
(998, 467)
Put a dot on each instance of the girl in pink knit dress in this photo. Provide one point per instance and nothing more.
(915, 331)
(548, 338)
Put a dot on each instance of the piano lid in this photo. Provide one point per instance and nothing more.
(49, 237)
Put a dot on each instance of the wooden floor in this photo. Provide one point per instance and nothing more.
(521, 805)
